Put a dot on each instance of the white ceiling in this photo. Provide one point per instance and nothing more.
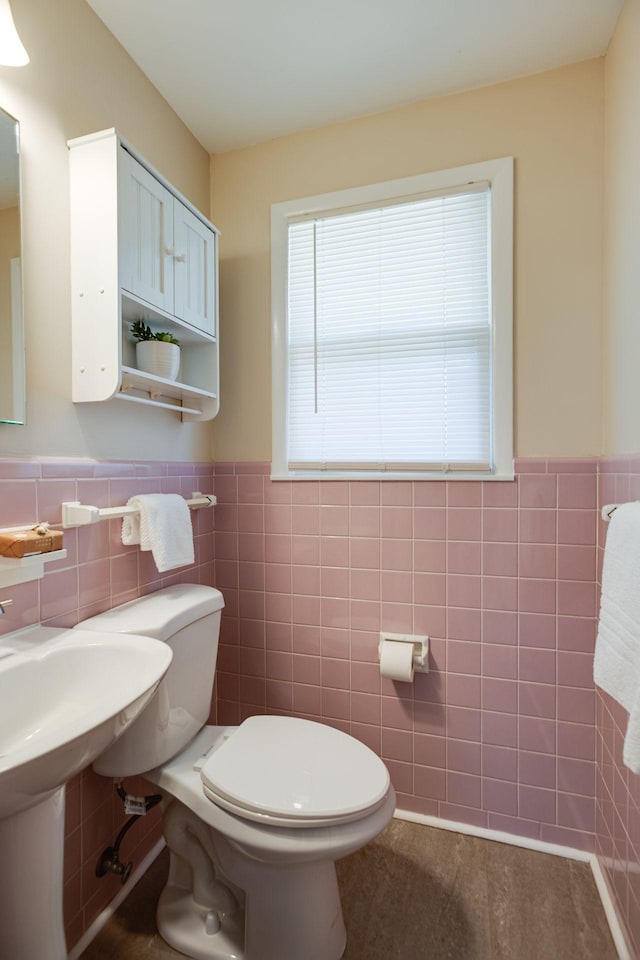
(242, 71)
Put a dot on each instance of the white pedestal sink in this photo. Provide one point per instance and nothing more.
(65, 696)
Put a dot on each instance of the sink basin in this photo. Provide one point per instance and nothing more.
(66, 695)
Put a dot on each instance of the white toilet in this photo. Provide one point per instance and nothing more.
(254, 815)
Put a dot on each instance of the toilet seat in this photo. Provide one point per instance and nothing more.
(288, 772)
(272, 820)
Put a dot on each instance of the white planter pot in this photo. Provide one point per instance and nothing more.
(159, 358)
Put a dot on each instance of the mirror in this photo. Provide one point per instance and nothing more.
(12, 378)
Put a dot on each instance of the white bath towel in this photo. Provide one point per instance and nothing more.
(161, 524)
(616, 665)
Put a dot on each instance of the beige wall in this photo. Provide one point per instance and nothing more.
(622, 230)
(81, 80)
(552, 124)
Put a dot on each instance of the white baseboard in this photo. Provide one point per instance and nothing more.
(499, 835)
(615, 925)
(625, 952)
(103, 918)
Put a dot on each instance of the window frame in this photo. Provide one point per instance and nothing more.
(500, 175)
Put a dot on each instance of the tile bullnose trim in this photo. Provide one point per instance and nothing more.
(500, 836)
(616, 925)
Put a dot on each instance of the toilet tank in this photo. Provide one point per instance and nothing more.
(187, 617)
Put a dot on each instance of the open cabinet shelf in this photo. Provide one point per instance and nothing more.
(191, 402)
(139, 251)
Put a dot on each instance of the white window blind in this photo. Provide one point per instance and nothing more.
(389, 336)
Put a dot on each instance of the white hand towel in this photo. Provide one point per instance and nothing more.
(616, 665)
(162, 524)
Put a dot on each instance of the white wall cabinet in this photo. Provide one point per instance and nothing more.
(139, 251)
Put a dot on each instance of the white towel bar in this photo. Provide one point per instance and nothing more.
(76, 514)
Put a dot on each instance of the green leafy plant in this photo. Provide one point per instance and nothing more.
(141, 331)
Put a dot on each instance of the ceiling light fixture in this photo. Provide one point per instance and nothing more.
(12, 53)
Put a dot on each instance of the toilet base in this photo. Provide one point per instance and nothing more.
(292, 912)
(220, 904)
(183, 924)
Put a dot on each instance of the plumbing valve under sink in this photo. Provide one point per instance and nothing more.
(109, 861)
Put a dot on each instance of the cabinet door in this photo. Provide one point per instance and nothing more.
(195, 270)
(146, 242)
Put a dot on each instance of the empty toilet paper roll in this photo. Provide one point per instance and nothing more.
(396, 660)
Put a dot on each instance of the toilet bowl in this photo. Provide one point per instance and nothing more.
(255, 816)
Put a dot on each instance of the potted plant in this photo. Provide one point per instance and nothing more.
(156, 353)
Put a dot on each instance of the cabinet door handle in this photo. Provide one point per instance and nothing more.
(179, 257)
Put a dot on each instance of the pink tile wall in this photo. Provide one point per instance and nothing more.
(502, 576)
(617, 789)
(99, 573)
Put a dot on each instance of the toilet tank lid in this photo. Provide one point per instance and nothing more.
(161, 614)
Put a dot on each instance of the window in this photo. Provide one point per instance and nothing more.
(392, 329)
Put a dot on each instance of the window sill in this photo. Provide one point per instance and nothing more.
(329, 475)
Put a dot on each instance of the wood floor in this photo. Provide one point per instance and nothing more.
(417, 892)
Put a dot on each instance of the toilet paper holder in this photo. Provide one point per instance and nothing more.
(420, 648)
